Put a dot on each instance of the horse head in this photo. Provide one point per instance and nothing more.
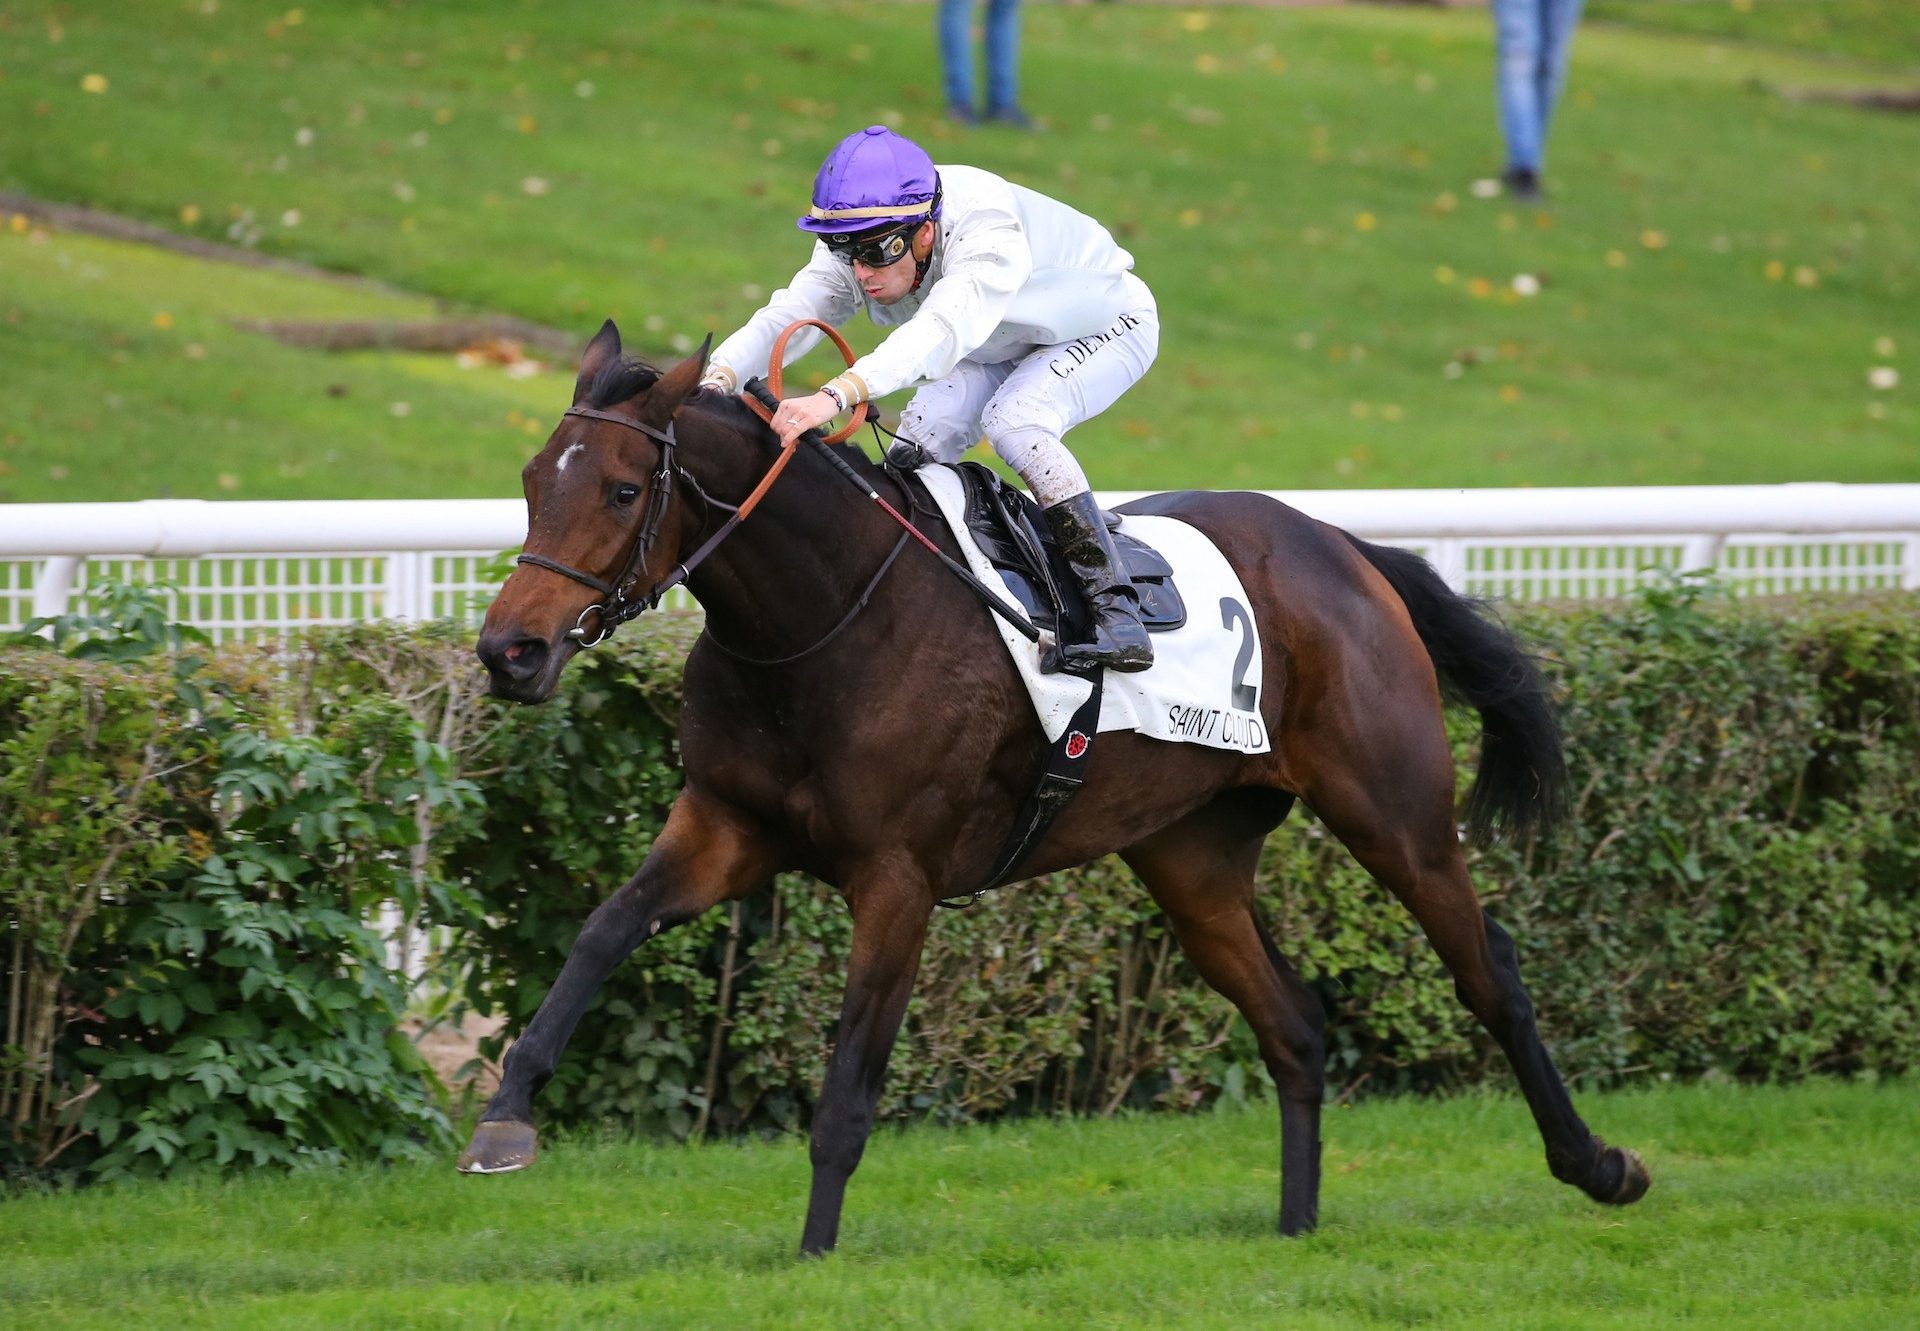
(603, 526)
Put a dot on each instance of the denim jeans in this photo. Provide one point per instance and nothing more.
(1533, 38)
(1003, 52)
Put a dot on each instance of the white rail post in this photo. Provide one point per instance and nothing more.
(420, 578)
(53, 588)
(1910, 566)
(1701, 552)
(403, 585)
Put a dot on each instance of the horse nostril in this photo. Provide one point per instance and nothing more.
(519, 659)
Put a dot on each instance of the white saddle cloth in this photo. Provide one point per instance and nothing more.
(1204, 684)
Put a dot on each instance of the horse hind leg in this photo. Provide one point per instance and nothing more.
(1200, 872)
(1392, 806)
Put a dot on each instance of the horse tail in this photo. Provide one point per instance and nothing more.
(1522, 779)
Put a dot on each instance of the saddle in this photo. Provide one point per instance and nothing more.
(1011, 531)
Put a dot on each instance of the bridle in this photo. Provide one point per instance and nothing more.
(620, 604)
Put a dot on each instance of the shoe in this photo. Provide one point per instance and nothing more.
(1009, 115)
(961, 114)
(1522, 182)
(1118, 641)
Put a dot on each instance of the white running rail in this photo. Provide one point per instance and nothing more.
(251, 569)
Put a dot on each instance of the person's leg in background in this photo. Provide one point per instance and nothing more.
(1003, 64)
(1517, 63)
(953, 21)
(1558, 20)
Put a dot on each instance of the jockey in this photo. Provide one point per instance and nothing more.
(1020, 317)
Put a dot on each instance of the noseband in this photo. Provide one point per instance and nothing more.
(620, 604)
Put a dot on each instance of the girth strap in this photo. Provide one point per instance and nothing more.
(1059, 783)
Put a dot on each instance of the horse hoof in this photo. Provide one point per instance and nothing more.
(499, 1148)
(1634, 1179)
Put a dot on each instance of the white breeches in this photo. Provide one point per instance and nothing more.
(1025, 406)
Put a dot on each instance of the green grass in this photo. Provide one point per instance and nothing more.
(1771, 1208)
(1881, 31)
(1720, 267)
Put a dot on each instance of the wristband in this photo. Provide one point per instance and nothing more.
(849, 388)
(839, 399)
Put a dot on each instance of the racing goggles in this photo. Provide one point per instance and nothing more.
(880, 249)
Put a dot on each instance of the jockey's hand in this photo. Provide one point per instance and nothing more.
(795, 416)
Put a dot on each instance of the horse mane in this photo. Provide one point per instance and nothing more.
(734, 409)
(624, 378)
(728, 405)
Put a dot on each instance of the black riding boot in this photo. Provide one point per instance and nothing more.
(1119, 642)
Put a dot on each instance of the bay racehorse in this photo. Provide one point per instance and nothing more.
(875, 734)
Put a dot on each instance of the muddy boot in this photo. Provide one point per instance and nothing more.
(1119, 642)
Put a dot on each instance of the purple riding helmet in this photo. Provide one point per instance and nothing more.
(872, 192)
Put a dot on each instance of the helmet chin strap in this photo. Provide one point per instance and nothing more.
(920, 265)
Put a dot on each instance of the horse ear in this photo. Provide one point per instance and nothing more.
(603, 351)
(679, 383)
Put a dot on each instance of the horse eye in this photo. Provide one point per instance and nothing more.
(625, 494)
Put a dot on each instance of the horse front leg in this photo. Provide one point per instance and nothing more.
(707, 853)
(889, 927)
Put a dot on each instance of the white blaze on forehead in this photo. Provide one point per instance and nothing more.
(567, 456)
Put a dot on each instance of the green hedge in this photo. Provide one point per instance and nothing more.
(1737, 893)
(190, 852)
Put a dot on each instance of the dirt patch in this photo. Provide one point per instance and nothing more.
(93, 222)
(454, 333)
(1904, 101)
(494, 338)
